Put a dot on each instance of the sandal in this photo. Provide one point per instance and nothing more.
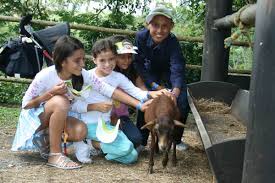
(41, 142)
(62, 162)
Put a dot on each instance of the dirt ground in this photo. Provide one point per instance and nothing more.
(192, 166)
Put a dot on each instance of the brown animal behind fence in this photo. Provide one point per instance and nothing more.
(161, 119)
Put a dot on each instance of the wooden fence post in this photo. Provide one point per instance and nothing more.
(259, 163)
(215, 56)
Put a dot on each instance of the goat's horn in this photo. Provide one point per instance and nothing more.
(178, 123)
(150, 123)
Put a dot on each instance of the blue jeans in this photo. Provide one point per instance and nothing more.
(130, 130)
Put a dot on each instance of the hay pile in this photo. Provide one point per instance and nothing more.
(211, 106)
(219, 122)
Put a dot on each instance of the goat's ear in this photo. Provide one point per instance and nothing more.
(180, 124)
(149, 125)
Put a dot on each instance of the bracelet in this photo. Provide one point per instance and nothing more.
(148, 95)
(154, 86)
(138, 107)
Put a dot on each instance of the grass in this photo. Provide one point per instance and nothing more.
(9, 116)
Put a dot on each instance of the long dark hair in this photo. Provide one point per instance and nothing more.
(130, 72)
(64, 48)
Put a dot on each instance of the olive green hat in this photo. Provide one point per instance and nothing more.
(159, 11)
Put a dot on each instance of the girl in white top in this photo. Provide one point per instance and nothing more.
(121, 149)
(46, 104)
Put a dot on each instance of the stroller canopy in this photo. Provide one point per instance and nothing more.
(47, 37)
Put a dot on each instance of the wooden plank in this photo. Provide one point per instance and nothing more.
(247, 17)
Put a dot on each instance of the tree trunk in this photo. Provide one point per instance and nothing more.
(215, 56)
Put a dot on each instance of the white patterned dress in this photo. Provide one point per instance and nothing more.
(43, 82)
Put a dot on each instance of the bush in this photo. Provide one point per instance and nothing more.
(193, 55)
(12, 93)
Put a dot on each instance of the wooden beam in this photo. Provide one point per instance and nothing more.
(246, 16)
(198, 39)
(72, 26)
(188, 66)
(15, 80)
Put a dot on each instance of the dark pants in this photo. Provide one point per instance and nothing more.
(184, 109)
(130, 130)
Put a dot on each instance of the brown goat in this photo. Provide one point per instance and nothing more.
(161, 117)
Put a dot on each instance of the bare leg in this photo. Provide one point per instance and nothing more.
(76, 129)
(55, 116)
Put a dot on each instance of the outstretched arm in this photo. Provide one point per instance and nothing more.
(127, 99)
(102, 107)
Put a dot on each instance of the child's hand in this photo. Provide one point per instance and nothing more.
(59, 89)
(104, 106)
(145, 105)
(155, 94)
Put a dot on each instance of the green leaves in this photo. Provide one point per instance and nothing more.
(12, 93)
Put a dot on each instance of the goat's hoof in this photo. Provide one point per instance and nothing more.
(150, 171)
(174, 163)
(164, 163)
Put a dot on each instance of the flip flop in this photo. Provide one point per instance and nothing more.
(62, 162)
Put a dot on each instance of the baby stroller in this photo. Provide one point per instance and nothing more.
(25, 56)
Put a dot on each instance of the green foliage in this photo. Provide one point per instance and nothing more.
(19, 9)
(193, 55)
(9, 116)
(237, 4)
(240, 58)
(12, 93)
(7, 30)
(196, 8)
(192, 52)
